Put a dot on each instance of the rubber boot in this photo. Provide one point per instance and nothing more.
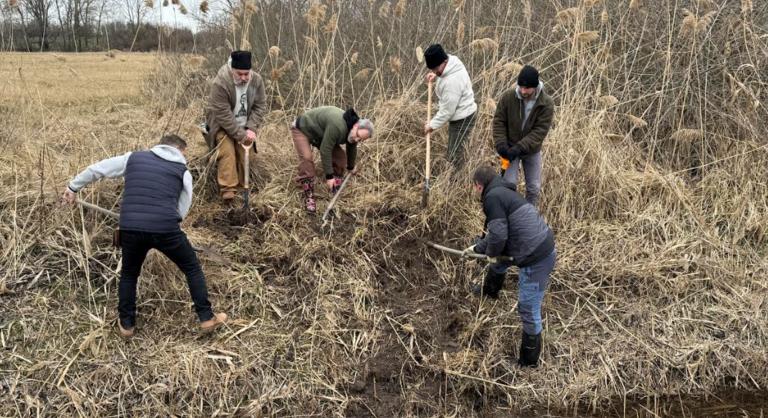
(308, 187)
(530, 349)
(491, 285)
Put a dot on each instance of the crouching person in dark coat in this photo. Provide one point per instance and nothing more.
(515, 229)
(156, 197)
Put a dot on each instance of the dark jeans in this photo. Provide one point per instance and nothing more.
(175, 245)
(458, 133)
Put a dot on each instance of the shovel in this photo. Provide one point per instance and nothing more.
(101, 210)
(336, 197)
(114, 215)
(246, 177)
(480, 257)
(428, 168)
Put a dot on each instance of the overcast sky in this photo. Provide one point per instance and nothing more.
(172, 17)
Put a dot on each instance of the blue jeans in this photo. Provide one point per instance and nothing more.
(531, 286)
(532, 172)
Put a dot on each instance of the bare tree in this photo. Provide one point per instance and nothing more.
(39, 10)
(63, 18)
(135, 11)
(98, 23)
(22, 16)
(78, 19)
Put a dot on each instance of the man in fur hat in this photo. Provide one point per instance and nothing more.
(236, 108)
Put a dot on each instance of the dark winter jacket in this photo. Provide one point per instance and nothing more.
(151, 194)
(514, 227)
(511, 137)
(158, 187)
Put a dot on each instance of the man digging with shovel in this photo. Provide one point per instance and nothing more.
(156, 197)
(515, 229)
(456, 98)
(235, 112)
(327, 128)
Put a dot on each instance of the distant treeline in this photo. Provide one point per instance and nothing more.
(112, 35)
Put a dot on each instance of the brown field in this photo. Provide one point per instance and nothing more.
(658, 306)
(66, 79)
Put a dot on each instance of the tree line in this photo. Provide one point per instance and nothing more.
(93, 25)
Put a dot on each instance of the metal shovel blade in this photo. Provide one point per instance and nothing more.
(336, 197)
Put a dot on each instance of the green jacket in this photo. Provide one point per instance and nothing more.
(325, 127)
(508, 131)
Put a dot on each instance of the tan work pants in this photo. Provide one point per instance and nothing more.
(230, 163)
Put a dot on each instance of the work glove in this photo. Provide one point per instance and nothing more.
(478, 238)
(509, 152)
(469, 250)
(512, 152)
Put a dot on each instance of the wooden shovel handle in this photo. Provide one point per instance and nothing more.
(246, 164)
(428, 168)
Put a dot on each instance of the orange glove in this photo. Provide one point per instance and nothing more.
(504, 163)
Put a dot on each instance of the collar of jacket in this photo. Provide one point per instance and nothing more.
(451, 67)
(539, 89)
(350, 118)
(496, 182)
(225, 78)
(169, 153)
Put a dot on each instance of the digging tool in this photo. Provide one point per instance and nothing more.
(481, 257)
(336, 197)
(98, 209)
(246, 181)
(428, 164)
(116, 232)
(117, 216)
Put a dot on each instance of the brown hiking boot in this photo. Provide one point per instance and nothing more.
(218, 320)
(228, 197)
(125, 333)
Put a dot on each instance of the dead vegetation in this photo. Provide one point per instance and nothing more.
(653, 182)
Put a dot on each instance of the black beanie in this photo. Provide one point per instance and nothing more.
(528, 77)
(241, 60)
(434, 56)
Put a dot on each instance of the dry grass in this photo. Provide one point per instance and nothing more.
(484, 45)
(89, 77)
(652, 181)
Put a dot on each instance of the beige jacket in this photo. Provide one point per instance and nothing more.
(454, 91)
(219, 113)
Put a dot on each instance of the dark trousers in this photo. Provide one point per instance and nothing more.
(175, 245)
(458, 136)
